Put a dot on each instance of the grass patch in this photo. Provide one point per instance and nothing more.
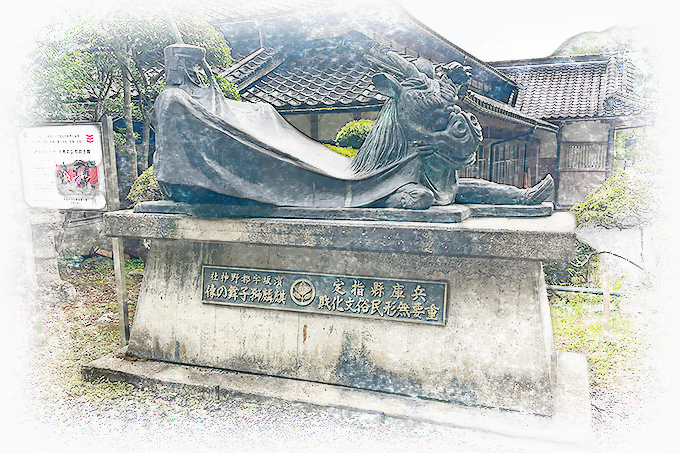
(613, 361)
(84, 330)
(100, 391)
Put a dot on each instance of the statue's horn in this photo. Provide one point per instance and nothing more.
(171, 23)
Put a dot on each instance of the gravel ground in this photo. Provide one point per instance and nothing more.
(40, 416)
(43, 418)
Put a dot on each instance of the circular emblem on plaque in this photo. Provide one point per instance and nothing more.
(302, 292)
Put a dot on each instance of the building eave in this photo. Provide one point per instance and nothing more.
(504, 112)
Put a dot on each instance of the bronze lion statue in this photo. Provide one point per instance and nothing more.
(210, 149)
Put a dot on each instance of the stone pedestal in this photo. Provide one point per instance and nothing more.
(490, 346)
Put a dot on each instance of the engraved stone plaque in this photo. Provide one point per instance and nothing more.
(344, 295)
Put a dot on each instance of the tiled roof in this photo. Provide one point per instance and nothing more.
(331, 76)
(591, 86)
(247, 24)
(244, 48)
(321, 77)
(249, 66)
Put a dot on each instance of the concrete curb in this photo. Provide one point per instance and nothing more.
(571, 423)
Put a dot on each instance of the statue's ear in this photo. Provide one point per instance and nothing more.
(387, 85)
(425, 66)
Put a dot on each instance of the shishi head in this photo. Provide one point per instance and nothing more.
(421, 112)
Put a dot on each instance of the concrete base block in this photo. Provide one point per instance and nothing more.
(441, 320)
(570, 424)
(438, 214)
(493, 346)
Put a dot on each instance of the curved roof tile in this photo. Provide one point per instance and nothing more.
(573, 87)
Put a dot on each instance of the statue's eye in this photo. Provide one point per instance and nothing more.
(440, 123)
(460, 128)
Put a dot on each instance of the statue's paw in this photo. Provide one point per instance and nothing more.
(540, 192)
(410, 196)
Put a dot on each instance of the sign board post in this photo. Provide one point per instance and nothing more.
(72, 167)
(113, 202)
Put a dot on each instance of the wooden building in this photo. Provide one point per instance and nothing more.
(588, 97)
(308, 59)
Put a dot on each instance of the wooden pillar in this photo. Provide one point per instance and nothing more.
(315, 126)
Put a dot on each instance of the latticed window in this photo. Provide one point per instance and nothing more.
(507, 162)
(583, 156)
(480, 169)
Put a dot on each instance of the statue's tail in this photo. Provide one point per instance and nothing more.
(385, 143)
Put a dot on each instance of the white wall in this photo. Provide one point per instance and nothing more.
(548, 145)
(585, 131)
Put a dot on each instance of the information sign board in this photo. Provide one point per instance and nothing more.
(62, 166)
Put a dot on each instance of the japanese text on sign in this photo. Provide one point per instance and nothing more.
(372, 297)
(62, 166)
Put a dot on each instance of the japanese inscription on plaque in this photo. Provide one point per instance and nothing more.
(371, 297)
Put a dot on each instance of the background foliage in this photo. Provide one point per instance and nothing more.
(145, 188)
(75, 69)
(627, 199)
(113, 64)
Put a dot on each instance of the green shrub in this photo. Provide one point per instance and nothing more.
(229, 89)
(145, 188)
(353, 134)
(349, 152)
(104, 264)
(134, 264)
(627, 199)
(99, 264)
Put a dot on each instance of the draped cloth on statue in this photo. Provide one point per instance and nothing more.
(248, 151)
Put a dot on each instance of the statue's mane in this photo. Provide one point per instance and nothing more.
(385, 143)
